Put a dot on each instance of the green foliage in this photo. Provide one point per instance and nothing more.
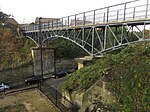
(84, 78)
(66, 49)
(17, 107)
(3, 17)
(13, 51)
(5, 24)
(132, 78)
(105, 107)
(127, 74)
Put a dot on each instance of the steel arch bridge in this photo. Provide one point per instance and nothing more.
(99, 30)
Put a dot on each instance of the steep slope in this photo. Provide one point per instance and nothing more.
(127, 74)
(13, 51)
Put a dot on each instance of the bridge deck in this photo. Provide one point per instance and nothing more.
(98, 30)
(99, 25)
(133, 13)
(113, 24)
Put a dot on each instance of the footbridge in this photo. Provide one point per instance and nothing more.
(99, 30)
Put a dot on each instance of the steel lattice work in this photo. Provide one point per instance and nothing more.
(99, 30)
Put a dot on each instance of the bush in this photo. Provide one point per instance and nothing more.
(127, 73)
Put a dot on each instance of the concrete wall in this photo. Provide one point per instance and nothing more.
(87, 60)
(49, 63)
(47, 60)
(86, 99)
(96, 92)
(65, 64)
(80, 65)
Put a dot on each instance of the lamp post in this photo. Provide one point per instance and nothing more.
(41, 52)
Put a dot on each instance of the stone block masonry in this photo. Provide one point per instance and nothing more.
(48, 61)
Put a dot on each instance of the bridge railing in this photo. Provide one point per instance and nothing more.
(129, 11)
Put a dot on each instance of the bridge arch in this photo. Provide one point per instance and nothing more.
(66, 38)
(110, 27)
(33, 40)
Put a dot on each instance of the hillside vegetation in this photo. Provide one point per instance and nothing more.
(15, 56)
(13, 51)
(127, 74)
(66, 49)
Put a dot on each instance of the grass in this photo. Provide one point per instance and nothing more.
(30, 101)
(17, 107)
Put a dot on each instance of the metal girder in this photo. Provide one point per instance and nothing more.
(99, 30)
(96, 40)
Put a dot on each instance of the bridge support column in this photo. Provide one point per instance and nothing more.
(48, 63)
(87, 60)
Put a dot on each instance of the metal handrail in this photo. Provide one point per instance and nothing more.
(105, 15)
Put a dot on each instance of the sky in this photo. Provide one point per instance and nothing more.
(25, 11)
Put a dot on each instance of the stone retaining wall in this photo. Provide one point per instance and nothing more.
(88, 98)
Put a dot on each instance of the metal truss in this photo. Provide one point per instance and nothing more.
(97, 40)
(97, 31)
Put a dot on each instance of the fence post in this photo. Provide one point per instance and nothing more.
(117, 15)
(84, 18)
(104, 18)
(62, 23)
(107, 14)
(124, 12)
(75, 23)
(57, 23)
(52, 23)
(56, 98)
(94, 18)
(134, 13)
(68, 21)
(48, 25)
(146, 8)
(4, 90)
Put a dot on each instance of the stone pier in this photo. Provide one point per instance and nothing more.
(87, 60)
(48, 62)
